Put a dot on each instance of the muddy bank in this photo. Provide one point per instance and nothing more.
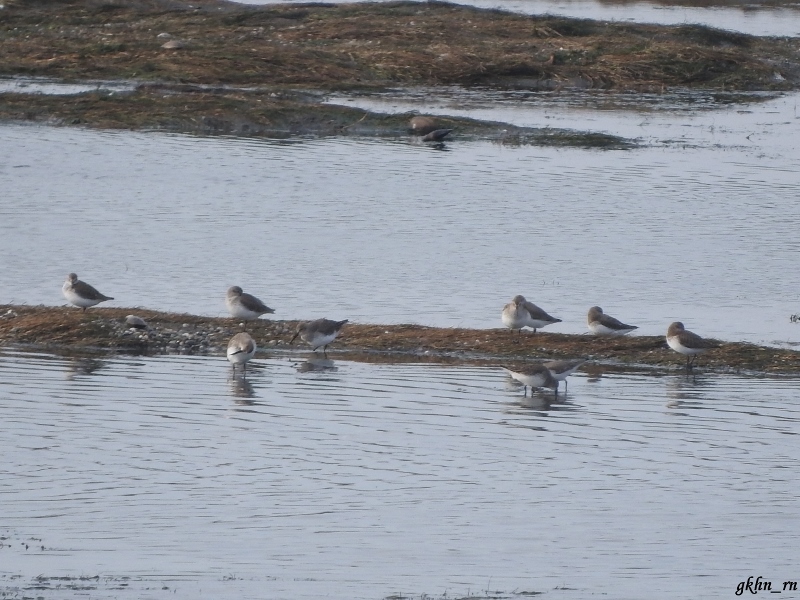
(214, 67)
(192, 110)
(370, 46)
(65, 328)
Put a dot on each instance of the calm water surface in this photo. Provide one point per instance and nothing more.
(698, 225)
(756, 18)
(129, 477)
(166, 478)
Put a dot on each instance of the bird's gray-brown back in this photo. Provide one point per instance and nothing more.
(84, 290)
(596, 315)
(322, 326)
(537, 313)
(689, 339)
(563, 366)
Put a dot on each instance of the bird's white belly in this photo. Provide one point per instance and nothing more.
(240, 357)
(513, 320)
(74, 298)
(536, 324)
(674, 342)
(320, 339)
(600, 329)
(240, 312)
(564, 374)
(537, 380)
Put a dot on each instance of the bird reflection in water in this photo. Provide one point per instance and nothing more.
(84, 365)
(686, 391)
(316, 365)
(539, 399)
(242, 389)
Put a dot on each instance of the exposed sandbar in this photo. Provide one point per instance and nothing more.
(215, 67)
(374, 45)
(66, 328)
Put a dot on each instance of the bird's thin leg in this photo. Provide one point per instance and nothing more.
(325, 350)
(525, 391)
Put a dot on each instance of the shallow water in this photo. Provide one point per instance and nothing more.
(165, 477)
(699, 225)
(43, 85)
(756, 18)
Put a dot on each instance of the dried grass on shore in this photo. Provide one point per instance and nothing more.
(374, 45)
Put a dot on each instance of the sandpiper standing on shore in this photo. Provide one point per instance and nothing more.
(318, 333)
(245, 306)
(520, 313)
(601, 324)
(80, 293)
(687, 343)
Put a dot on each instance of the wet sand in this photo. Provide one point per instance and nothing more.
(197, 111)
(104, 329)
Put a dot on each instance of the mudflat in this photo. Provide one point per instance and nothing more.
(214, 67)
(374, 45)
(104, 329)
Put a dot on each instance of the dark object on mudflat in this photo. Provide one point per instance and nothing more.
(135, 322)
(437, 136)
(422, 125)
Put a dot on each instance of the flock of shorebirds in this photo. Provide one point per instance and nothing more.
(520, 313)
(516, 315)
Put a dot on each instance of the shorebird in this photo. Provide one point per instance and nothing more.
(533, 375)
(601, 324)
(241, 349)
(520, 313)
(245, 306)
(437, 135)
(318, 333)
(687, 343)
(81, 293)
(561, 369)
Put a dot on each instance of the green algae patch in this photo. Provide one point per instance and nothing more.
(71, 329)
(263, 114)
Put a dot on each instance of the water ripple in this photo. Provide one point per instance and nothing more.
(676, 227)
(335, 479)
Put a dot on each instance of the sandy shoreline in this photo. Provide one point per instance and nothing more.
(103, 329)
